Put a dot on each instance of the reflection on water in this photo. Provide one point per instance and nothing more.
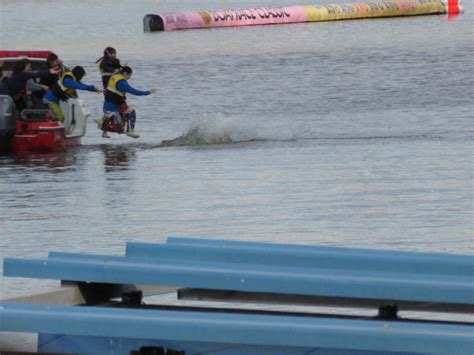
(53, 162)
(118, 157)
(49, 160)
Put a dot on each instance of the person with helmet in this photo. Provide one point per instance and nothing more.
(118, 116)
(66, 87)
(109, 65)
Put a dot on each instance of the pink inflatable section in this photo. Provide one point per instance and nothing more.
(224, 18)
(295, 14)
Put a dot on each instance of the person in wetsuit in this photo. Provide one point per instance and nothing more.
(118, 116)
(109, 65)
(66, 87)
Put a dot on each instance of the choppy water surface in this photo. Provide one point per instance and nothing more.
(356, 133)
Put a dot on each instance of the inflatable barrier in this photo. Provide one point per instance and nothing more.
(297, 14)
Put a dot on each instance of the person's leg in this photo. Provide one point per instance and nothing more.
(118, 122)
(122, 112)
(109, 123)
(103, 122)
(131, 119)
(131, 131)
(20, 104)
(56, 110)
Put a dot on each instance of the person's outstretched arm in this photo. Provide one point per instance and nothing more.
(27, 75)
(34, 86)
(70, 83)
(124, 86)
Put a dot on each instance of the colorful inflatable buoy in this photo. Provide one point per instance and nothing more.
(296, 14)
(453, 8)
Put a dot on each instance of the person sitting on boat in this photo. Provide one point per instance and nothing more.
(35, 93)
(66, 87)
(109, 65)
(16, 84)
(118, 116)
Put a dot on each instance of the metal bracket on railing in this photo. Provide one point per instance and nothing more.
(388, 312)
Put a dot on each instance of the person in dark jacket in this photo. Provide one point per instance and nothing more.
(53, 61)
(16, 84)
(66, 87)
(40, 86)
(109, 65)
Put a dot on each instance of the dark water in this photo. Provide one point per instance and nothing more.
(356, 133)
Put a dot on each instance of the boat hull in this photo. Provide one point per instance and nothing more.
(39, 137)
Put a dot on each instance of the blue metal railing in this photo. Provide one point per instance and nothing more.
(305, 256)
(239, 328)
(272, 268)
(388, 277)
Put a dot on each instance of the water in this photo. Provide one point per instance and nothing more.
(356, 133)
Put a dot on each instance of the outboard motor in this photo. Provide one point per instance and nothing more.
(8, 117)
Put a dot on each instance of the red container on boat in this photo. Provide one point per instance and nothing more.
(39, 134)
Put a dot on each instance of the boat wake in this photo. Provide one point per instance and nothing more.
(198, 136)
(214, 131)
(231, 131)
(240, 130)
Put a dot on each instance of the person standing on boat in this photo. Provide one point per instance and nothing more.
(118, 116)
(109, 65)
(53, 61)
(66, 87)
(40, 86)
(17, 83)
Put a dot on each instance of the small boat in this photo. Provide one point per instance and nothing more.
(38, 130)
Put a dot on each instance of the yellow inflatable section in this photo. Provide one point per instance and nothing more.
(391, 8)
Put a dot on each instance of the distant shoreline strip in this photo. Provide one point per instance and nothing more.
(295, 14)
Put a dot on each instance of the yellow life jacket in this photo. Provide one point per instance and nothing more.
(112, 86)
(68, 91)
(112, 93)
